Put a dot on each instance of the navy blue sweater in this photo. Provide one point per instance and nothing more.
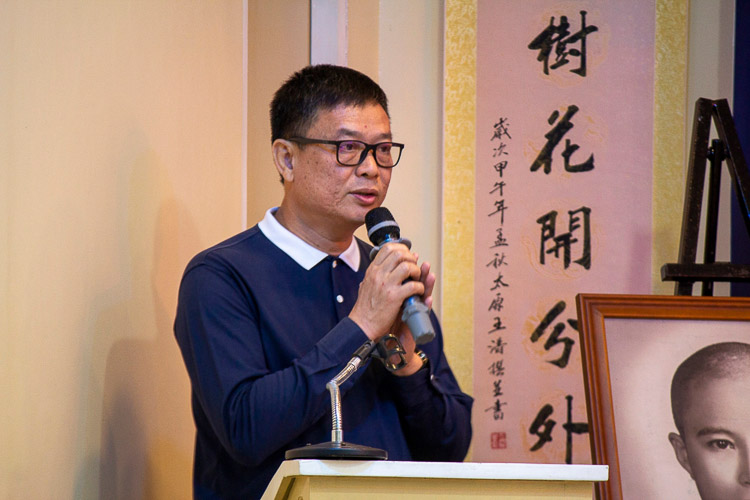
(261, 336)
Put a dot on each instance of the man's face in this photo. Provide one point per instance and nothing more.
(716, 439)
(327, 196)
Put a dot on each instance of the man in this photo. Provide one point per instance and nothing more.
(711, 410)
(268, 317)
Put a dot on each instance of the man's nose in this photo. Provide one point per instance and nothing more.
(368, 167)
(743, 472)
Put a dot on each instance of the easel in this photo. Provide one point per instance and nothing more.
(726, 148)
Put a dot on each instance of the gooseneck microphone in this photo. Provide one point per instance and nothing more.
(337, 448)
(381, 229)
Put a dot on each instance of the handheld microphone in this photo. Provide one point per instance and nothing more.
(381, 229)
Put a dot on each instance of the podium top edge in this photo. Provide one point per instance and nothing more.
(290, 469)
(452, 470)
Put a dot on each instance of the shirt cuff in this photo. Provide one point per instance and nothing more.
(339, 344)
(413, 390)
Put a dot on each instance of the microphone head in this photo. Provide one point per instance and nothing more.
(381, 226)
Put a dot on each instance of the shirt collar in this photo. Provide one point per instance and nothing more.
(295, 247)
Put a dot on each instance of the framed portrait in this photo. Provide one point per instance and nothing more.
(631, 347)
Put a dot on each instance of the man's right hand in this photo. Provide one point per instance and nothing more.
(385, 288)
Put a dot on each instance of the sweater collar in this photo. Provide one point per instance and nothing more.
(300, 251)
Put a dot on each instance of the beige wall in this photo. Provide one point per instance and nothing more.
(411, 64)
(121, 151)
(278, 45)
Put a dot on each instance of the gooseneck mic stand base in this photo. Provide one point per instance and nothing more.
(337, 448)
(337, 451)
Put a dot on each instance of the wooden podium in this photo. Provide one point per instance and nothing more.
(354, 479)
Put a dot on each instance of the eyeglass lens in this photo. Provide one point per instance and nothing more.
(353, 153)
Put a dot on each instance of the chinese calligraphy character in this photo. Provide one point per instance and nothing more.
(497, 303)
(497, 390)
(499, 208)
(501, 129)
(554, 337)
(500, 167)
(543, 425)
(497, 261)
(497, 409)
(554, 136)
(496, 368)
(498, 187)
(498, 325)
(500, 240)
(542, 420)
(497, 346)
(499, 150)
(564, 241)
(557, 37)
(498, 282)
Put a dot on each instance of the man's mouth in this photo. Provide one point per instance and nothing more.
(367, 196)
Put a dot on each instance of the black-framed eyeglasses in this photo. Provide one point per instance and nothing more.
(352, 153)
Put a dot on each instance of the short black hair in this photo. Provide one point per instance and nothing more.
(319, 87)
(714, 362)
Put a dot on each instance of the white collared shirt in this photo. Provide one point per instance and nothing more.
(295, 247)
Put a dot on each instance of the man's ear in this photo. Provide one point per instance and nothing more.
(680, 451)
(284, 158)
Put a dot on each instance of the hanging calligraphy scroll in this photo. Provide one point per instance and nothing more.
(564, 125)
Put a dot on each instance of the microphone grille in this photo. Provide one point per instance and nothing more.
(376, 216)
(380, 223)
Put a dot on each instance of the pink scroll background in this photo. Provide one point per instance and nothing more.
(513, 376)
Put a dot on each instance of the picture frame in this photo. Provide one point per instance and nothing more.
(631, 346)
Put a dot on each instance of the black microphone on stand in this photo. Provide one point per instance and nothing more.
(381, 229)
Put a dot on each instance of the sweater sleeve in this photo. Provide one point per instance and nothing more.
(435, 413)
(252, 410)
